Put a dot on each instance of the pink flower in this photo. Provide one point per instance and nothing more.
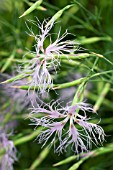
(9, 157)
(59, 124)
(46, 58)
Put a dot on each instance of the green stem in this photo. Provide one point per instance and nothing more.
(39, 159)
(27, 138)
(55, 86)
(94, 97)
(101, 97)
(79, 95)
(8, 61)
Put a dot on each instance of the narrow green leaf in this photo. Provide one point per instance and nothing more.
(69, 84)
(65, 161)
(58, 15)
(76, 165)
(94, 97)
(40, 158)
(27, 138)
(8, 62)
(18, 77)
(32, 8)
(96, 152)
(55, 86)
(85, 40)
(79, 95)
(41, 8)
(101, 56)
(101, 97)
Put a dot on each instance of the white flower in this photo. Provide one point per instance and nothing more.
(46, 58)
(59, 124)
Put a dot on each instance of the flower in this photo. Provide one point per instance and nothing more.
(46, 58)
(9, 157)
(59, 124)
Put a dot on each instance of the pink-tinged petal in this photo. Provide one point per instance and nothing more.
(57, 126)
(40, 76)
(53, 129)
(77, 140)
(93, 130)
(73, 138)
(50, 113)
(72, 109)
(60, 46)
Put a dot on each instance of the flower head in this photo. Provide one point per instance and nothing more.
(46, 58)
(60, 125)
